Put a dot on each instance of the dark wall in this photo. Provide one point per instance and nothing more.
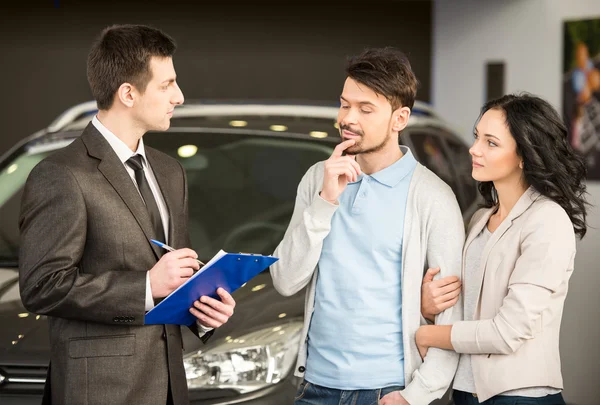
(292, 50)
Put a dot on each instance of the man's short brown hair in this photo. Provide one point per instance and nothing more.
(386, 71)
(122, 54)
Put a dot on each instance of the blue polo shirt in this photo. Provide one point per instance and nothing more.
(355, 336)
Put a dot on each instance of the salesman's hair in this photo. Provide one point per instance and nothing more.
(550, 164)
(122, 54)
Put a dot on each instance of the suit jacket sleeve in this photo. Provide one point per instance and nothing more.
(53, 224)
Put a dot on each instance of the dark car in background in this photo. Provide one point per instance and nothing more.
(243, 162)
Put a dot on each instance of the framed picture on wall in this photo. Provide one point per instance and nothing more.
(581, 89)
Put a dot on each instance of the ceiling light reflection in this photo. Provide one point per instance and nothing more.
(318, 134)
(278, 128)
(187, 151)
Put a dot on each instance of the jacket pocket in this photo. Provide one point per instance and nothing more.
(104, 346)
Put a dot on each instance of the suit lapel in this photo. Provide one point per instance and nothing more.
(520, 207)
(115, 173)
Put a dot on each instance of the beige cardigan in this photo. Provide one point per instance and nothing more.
(526, 266)
(433, 237)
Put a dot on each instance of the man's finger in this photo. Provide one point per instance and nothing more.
(183, 253)
(226, 298)
(341, 147)
(430, 274)
(354, 163)
(186, 272)
(205, 319)
(346, 164)
(210, 312)
(189, 262)
(217, 305)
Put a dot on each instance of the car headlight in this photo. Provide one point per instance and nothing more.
(246, 363)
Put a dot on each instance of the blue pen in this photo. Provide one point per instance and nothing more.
(167, 247)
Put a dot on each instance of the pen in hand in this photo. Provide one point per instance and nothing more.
(169, 248)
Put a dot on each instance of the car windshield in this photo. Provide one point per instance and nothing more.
(242, 187)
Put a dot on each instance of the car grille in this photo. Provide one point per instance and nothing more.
(22, 379)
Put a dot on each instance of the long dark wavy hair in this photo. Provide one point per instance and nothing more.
(550, 164)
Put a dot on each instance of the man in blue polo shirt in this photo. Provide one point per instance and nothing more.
(367, 223)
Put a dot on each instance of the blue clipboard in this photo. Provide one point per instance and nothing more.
(227, 270)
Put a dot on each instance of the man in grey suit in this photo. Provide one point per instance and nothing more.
(87, 216)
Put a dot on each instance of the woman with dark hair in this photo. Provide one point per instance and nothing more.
(517, 258)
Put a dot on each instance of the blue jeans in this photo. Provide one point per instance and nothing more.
(465, 398)
(312, 394)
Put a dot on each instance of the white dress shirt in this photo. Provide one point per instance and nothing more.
(124, 153)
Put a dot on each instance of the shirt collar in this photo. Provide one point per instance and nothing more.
(397, 171)
(120, 148)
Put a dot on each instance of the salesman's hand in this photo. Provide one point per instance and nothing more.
(438, 295)
(339, 170)
(172, 270)
(213, 313)
(393, 398)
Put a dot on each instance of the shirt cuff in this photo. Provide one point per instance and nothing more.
(149, 299)
(203, 329)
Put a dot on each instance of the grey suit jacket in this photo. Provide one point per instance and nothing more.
(84, 255)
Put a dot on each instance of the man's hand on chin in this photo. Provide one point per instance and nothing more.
(393, 398)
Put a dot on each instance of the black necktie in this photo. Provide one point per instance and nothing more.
(135, 162)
